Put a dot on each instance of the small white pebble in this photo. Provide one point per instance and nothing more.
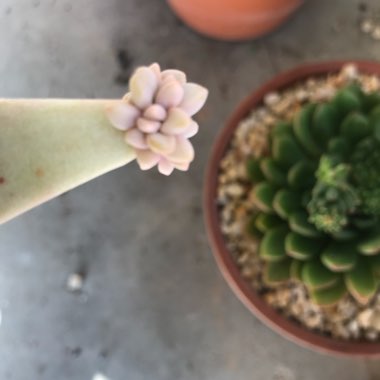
(376, 33)
(364, 318)
(350, 71)
(100, 376)
(271, 99)
(367, 26)
(74, 282)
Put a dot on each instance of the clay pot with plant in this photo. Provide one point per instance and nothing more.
(234, 19)
(293, 205)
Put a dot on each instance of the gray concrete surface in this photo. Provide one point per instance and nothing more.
(154, 305)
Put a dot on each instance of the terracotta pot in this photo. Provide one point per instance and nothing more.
(234, 19)
(226, 263)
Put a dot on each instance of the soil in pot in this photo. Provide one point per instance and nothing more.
(347, 319)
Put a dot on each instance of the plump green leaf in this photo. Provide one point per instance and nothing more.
(345, 234)
(282, 128)
(370, 101)
(374, 262)
(264, 195)
(364, 222)
(300, 224)
(286, 151)
(272, 246)
(370, 245)
(286, 202)
(347, 101)
(252, 229)
(361, 282)
(316, 276)
(340, 257)
(330, 296)
(339, 147)
(296, 270)
(273, 172)
(301, 247)
(277, 272)
(302, 175)
(302, 130)
(325, 123)
(355, 127)
(375, 125)
(265, 222)
(254, 172)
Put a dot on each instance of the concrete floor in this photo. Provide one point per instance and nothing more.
(154, 305)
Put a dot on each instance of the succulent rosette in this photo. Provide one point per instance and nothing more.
(156, 116)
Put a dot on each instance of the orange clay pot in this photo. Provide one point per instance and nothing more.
(234, 19)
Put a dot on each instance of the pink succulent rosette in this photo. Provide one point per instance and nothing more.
(156, 116)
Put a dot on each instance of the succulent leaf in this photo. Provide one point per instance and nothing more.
(330, 296)
(325, 123)
(277, 272)
(265, 222)
(272, 172)
(296, 270)
(286, 151)
(254, 171)
(264, 195)
(316, 276)
(370, 245)
(302, 248)
(302, 130)
(300, 224)
(301, 175)
(286, 203)
(340, 257)
(355, 127)
(347, 101)
(272, 246)
(361, 281)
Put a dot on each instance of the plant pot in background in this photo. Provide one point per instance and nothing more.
(234, 19)
(227, 264)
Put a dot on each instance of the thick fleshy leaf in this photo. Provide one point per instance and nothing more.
(183, 152)
(302, 130)
(346, 234)
(286, 151)
(370, 245)
(156, 69)
(143, 86)
(180, 76)
(177, 122)
(183, 166)
(148, 126)
(374, 262)
(191, 130)
(194, 98)
(123, 115)
(170, 94)
(361, 281)
(155, 112)
(161, 144)
(265, 222)
(371, 101)
(147, 159)
(375, 125)
(300, 224)
(264, 195)
(165, 167)
(340, 257)
(316, 276)
(272, 246)
(254, 171)
(302, 175)
(346, 101)
(277, 272)
(325, 122)
(355, 127)
(296, 270)
(286, 202)
(329, 297)
(339, 146)
(136, 139)
(364, 222)
(272, 172)
(282, 129)
(302, 248)
(252, 229)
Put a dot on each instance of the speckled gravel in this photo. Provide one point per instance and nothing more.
(346, 320)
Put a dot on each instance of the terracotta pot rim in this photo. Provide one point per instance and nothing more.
(227, 265)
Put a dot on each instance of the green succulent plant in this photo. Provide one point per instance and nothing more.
(318, 196)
